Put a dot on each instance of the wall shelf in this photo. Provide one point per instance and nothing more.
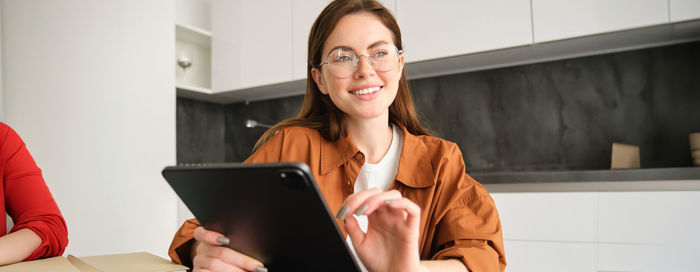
(194, 44)
(193, 35)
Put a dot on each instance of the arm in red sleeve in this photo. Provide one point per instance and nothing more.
(28, 200)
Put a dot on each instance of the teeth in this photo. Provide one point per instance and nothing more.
(366, 91)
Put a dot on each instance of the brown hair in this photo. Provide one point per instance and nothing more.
(318, 111)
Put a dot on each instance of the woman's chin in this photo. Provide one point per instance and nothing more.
(368, 114)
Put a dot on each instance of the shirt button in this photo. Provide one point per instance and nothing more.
(359, 156)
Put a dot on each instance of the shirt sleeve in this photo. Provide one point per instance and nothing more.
(470, 229)
(180, 247)
(28, 200)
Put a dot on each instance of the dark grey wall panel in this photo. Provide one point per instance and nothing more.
(560, 115)
(240, 139)
(200, 132)
(564, 115)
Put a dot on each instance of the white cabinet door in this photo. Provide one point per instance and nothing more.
(436, 29)
(665, 218)
(682, 10)
(196, 13)
(561, 19)
(250, 43)
(537, 256)
(304, 13)
(649, 231)
(560, 217)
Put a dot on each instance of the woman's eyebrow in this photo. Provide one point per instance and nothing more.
(376, 43)
(347, 47)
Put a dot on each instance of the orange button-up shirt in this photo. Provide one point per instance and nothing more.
(458, 216)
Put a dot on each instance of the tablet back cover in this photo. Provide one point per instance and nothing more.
(273, 212)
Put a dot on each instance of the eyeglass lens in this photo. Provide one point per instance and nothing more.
(343, 62)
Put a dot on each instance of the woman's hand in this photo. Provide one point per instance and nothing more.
(209, 254)
(391, 241)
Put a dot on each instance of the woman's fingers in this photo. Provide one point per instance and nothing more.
(352, 227)
(203, 263)
(375, 201)
(229, 256)
(211, 255)
(368, 201)
(210, 237)
(412, 210)
(353, 202)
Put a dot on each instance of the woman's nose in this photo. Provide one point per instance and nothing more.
(364, 66)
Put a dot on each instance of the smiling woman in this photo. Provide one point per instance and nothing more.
(402, 196)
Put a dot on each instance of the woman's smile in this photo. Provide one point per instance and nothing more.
(367, 93)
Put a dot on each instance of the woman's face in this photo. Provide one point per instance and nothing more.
(367, 92)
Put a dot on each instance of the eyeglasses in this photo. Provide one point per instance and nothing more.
(342, 62)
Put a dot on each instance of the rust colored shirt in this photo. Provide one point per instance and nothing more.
(459, 219)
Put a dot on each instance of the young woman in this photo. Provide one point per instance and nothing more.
(402, 196)
(39, 229)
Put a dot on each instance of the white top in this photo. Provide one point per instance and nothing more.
(380, 175)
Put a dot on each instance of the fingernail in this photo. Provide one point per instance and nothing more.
(260, 269)
(342, 213)
(389, 201)
(361, 210)
(223, 240)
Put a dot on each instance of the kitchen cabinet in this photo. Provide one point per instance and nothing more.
(537, 256)
(601, 231)
(561, 19)
(682, 10)
(567, 216)
(192, 47)
(192, 58)
(250, 43)
(439, 29)
(258, 48)
(304, 13)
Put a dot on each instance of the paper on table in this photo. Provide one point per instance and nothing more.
(56, 264)
(139, 262)
(135, 262)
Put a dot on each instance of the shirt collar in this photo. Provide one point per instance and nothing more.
(415, 168)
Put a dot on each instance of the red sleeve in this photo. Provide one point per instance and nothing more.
(27, 198)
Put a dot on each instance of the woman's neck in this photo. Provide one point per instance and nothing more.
(372, 136)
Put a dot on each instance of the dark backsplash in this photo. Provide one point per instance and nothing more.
(559, 115)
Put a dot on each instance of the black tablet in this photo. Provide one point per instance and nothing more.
(273, 212)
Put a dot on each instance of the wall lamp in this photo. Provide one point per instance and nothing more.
(250, 123)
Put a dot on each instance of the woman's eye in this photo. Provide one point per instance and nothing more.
(342, 59)
(379, 54)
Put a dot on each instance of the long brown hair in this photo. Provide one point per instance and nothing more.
(318, 111)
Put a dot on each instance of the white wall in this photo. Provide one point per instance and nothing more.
(89, 85)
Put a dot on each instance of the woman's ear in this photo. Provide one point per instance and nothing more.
(318, 78)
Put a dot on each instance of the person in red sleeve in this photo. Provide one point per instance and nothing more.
(39, 228)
